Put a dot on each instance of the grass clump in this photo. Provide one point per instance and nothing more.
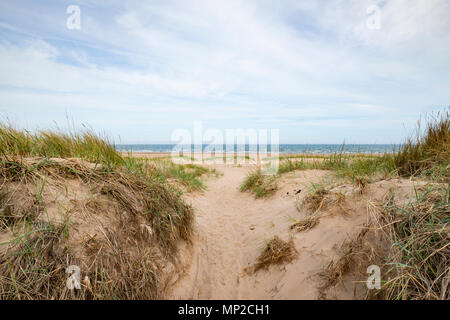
(188, 175)
(429, 151)
(409, 242)
(312, 204)
(307, 223)
(351, 166)
(259, 184)
(34, 267)
(277, 251)
(262, 185)
(418, 263)
(427, 154)
(315, 201)
(290, 165)
(50, 144)
(352, 254)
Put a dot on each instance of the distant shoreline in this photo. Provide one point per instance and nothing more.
(148, 154)
(285, 149)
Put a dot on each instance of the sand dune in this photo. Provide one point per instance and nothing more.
(232, 228)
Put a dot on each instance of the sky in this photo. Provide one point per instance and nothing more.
(319, 71)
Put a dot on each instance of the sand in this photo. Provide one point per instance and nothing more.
(232, 228)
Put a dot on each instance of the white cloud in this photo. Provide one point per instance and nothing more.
(232, 63)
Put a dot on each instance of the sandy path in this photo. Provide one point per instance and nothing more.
(222, 221)
(232, 228)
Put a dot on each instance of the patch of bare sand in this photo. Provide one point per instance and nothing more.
(232, 228)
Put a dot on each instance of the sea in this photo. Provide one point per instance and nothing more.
(282, 148)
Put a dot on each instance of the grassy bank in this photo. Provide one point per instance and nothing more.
(72, 199)
(417, 265)
(428, 152)
(52, 144)
(425, 155)
(409, 242)
(188, 176)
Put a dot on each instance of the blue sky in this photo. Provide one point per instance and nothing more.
(138, 70)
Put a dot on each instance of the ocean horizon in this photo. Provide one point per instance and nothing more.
(282, 148)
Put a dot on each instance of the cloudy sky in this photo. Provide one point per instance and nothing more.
(138, 70)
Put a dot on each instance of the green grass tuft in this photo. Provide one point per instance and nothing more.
(429, 151)
(50, 144)
(259, 184)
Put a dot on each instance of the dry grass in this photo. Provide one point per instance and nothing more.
(415, 255)
(34, 267)
(361, 183)
(410, 243)
(307, 223)
(276, 251)
(314, 201)
(429, 151)
(419, 260)
(312, 204)
(122, 228)
(352, 255)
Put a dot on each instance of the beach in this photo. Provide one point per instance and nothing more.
(232, 228)
(244, 226)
